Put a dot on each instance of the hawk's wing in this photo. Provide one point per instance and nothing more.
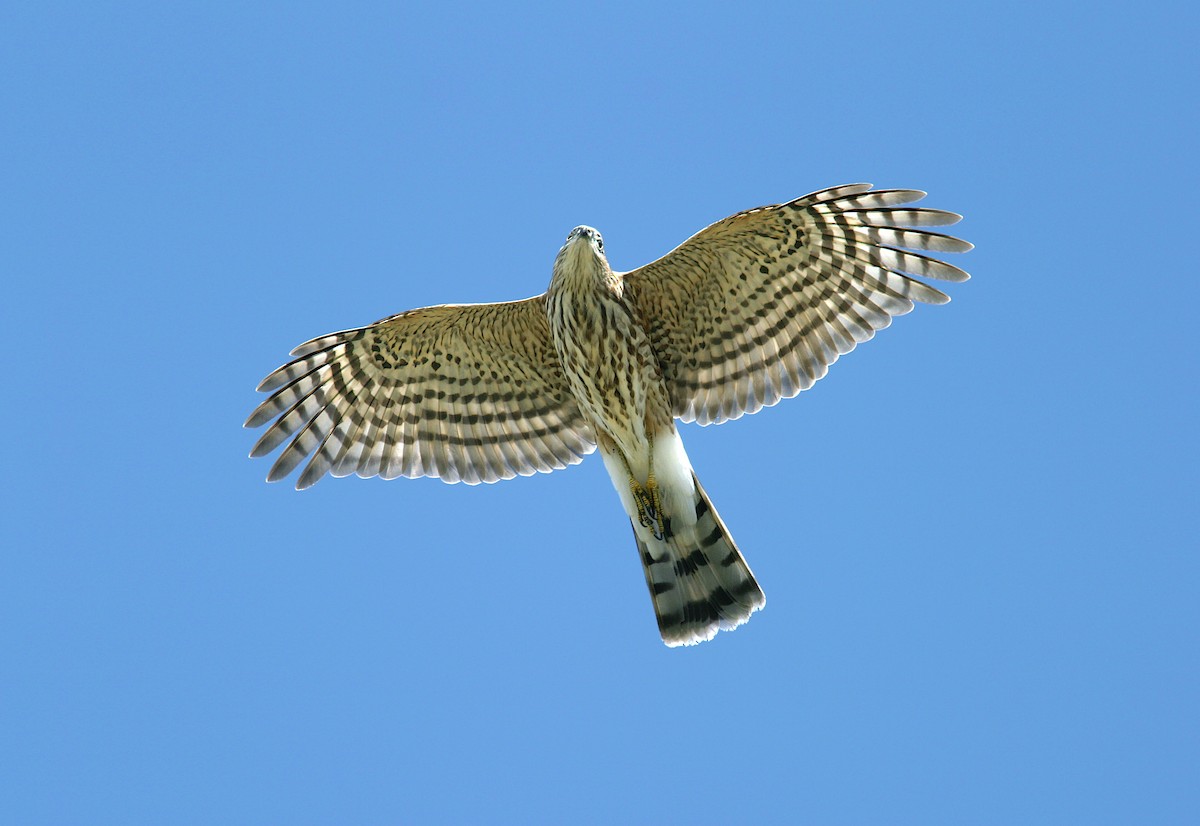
(469, 393)
(756, 307)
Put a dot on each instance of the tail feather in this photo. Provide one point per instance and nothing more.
(698, 580)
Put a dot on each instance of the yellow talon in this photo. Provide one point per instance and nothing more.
(643, 500)
(648, 499)
(649, 502)
(656, 497)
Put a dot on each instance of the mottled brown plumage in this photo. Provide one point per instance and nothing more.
(751, 310)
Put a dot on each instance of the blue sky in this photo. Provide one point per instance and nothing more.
(978, 535)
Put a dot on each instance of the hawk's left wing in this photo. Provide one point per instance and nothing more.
(756, 307)
(469, 392)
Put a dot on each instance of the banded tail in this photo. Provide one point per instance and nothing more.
(697, 577)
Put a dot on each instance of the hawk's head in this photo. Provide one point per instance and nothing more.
(581, 260)
(582, 238)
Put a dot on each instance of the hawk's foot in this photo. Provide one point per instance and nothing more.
(650, 508)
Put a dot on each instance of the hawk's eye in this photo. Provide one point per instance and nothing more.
(599, 243)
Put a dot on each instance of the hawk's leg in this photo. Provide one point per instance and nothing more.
(649, 501)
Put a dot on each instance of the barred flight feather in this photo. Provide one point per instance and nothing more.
(792, 286)
(468, 393)
(699, 581)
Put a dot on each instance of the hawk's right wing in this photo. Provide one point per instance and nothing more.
(756, 307)
(470, 392)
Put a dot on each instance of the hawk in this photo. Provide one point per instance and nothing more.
(749, 311)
